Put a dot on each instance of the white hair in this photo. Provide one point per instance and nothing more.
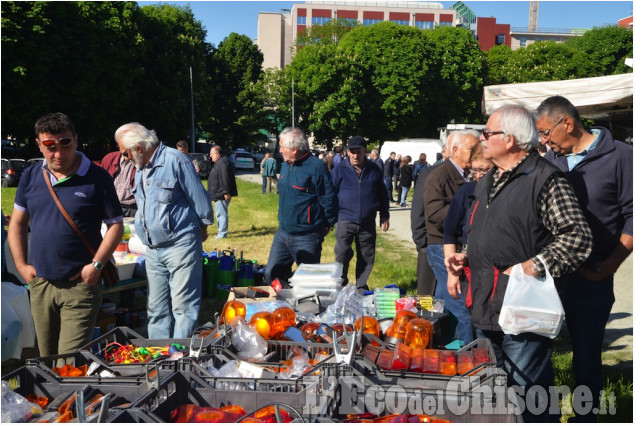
(133, 134)
(519, 122)
(459, 138)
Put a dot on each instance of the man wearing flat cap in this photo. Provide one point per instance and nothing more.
(361, 192)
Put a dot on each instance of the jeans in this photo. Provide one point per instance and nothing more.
(64, 314)
(364, 235)
(587, 305)
(175, 275)
(264, 183)
(388, 184)
(426, 280)
(404, 193)
(456, 306)
(222, 217)
(527, 360)
(287, 248)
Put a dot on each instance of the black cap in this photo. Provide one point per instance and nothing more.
(356, 142)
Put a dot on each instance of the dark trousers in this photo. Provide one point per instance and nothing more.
(129, 210)
(587, 305)
(388, 184)
(287, 249)
(364, 236)
(426, 280)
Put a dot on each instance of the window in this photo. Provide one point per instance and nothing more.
(445, 24)
(348, 21)
(523, 41)
(538, 39)
(301, 20)
(500, 39)
(424, 25)
(319, 21)
(372, 21)
(400, 22)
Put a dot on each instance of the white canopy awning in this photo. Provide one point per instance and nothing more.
(590, 95)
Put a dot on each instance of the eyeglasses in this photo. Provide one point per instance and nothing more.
(487, 133)
(546, 134)
(480, 170)
(63, 141)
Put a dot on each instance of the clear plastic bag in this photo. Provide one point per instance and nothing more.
(249, 344)
(346, 308)
(16, 408)
(531, 305)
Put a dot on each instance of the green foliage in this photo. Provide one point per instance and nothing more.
(497, 58)
(329, 33)
(605, 49)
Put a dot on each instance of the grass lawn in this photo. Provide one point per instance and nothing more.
(253, 222)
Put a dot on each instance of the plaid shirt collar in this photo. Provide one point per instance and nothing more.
(499, 181)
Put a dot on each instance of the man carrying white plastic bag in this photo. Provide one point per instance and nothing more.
(523, 209)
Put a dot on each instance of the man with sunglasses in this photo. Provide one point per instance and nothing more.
(600, 170)
(63, 276)
(524, 212)
(122, 170)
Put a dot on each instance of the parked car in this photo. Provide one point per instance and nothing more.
(203, 162)
(10, 149)
(12, 171)
(244, 160)
(34, 160)
(258, 152)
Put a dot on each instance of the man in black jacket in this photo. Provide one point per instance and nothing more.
(221, 185)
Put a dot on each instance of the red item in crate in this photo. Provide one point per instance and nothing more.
(464, 362)
(416, 360)
(401, 357)
(371, 352)
(447, 363)
(40, 401)
(339, 328)
(190, 413)
(480, 356)
(384, 361)
(268, 414)
(70, 371)
(430, 361)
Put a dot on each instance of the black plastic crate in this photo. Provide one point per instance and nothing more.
(187, 388)
(132, 415)
(124, 373)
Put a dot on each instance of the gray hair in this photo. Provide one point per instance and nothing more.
(519, 122)
(459, 138)
(374, 152)
(294, 138)
(133, 134)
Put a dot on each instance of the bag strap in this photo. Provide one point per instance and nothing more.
(65, 214)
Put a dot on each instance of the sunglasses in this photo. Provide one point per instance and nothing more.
(63, 141)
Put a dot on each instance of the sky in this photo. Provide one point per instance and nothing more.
(221, 18)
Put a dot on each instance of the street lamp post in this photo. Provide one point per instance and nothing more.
(292, 102)
(192, 108)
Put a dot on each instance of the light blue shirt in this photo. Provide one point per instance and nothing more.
(460, 170)
(171, 199)
(574, 159)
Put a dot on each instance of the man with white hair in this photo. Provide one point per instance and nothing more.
(438, 190)
(524, 212)
(174, 212)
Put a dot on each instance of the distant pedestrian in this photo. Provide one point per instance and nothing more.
(330, 157)
(262, 172)
(419, 165)
(374, 156)
(221, 185)
(443, 155)
(405, 179)
(389, 172)
(270, 173)
(183, 147)
(396, 178)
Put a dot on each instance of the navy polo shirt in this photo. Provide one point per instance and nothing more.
(88, 196)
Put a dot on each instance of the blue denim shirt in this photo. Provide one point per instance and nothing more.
(171, 199)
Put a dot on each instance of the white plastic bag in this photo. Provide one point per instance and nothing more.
(531, 304)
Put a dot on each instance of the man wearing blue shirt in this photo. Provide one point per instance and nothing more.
(600, 171)
(174, 212)
(361, 193)
(63, 276)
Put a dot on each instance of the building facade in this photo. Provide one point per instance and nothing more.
(522, 37)
(277, 31)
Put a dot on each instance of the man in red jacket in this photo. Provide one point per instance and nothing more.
(122, 170)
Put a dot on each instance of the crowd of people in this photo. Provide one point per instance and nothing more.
(492, 200)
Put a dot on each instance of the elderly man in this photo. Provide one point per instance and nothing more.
(374, 156)
(221, 186)
(63, 275)
(389, 172)
(600, 170)
(307, 207)
(174, 212)
(361, 193)
(524, 211)
(438, 189)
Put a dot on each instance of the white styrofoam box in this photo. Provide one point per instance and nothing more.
(126, 269)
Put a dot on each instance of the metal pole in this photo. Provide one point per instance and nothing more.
(193, 134)
(292, 102)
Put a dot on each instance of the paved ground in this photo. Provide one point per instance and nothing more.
(619, 331)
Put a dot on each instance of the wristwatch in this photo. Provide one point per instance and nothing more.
(97, 264)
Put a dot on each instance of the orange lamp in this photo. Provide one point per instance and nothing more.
(397, 331)
(418, 333)
(339, 328)
(310, 331)
(283, 319)
(371, 325)
(233, 309)
(262, 322)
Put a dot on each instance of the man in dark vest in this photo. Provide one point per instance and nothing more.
(524, 212)
(600, 170)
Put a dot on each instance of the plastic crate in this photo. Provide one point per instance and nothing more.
(33, 380)
(132, 415)
(129, 374)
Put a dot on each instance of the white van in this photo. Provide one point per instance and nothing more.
(412, 147)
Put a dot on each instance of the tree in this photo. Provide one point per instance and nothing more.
(329, 33)
(605, 49)
(497, 58)
(237, 67)
(273, 91)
